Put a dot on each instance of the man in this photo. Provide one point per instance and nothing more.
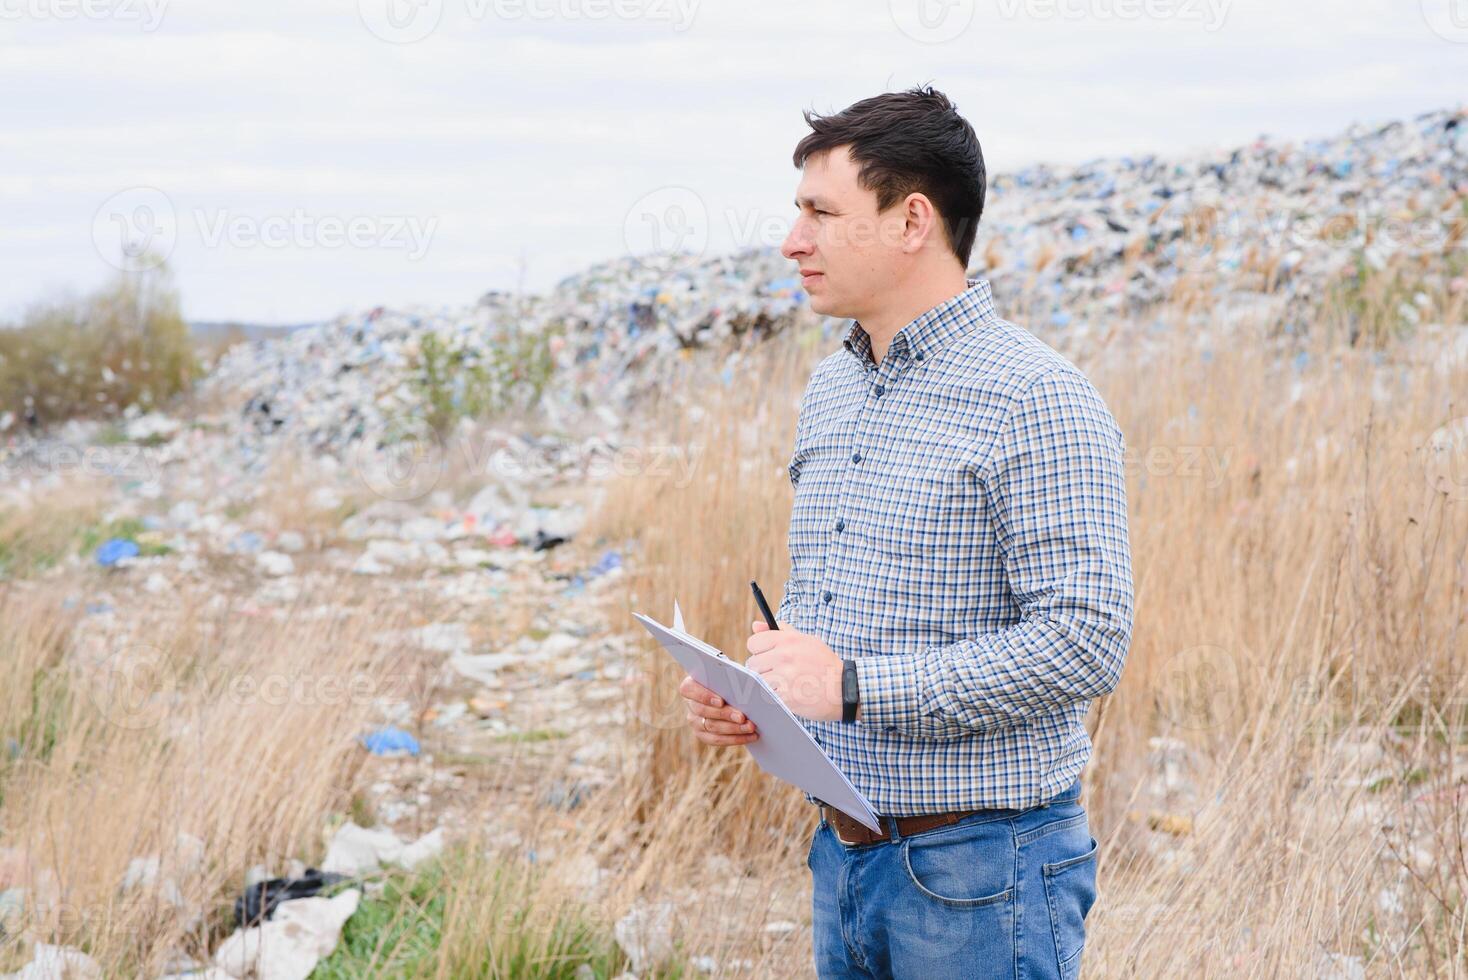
(958, 541)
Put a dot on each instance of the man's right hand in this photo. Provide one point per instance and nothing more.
(713, 722)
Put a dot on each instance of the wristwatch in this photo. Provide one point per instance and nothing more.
(849, 692)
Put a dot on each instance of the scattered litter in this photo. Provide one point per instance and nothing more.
(261, 898)
(112, 551)
(59, 963)
(288, 946)
(390, 741)
(357, 850)
(645, 934)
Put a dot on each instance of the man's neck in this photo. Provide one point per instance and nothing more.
(883, 325)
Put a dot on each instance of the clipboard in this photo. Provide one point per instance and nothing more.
(784, 749)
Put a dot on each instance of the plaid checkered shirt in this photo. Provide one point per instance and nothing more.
(960, 530)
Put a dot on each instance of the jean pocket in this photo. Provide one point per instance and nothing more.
(969, 872)
(1070, 891)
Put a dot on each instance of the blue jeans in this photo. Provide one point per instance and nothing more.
(1001, 893)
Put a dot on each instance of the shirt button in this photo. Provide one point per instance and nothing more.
(856, 457)
(840, 524)
(918, 355)
(890, 728)
(826, 597)
(880, 389)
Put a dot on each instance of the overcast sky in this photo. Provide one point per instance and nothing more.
(299, 159)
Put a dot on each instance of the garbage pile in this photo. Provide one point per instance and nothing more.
(1269, 225)
(1281, 219)
(600, 341)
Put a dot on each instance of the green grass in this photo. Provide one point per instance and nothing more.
(394, 934)
(126, 527)
(435, 920)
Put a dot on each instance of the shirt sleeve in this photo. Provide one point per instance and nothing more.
(1057, 494)
(790, 600)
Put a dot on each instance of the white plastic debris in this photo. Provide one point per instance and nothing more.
(358, 850)
(288, 946)
(59, 963)
(645, 934)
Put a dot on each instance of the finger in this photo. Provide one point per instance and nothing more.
(692, 690)
(762, 641)
(720, 727)
(760, 626)
(709, 738)
(722, 714)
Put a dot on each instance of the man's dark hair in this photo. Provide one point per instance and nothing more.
(910, 141)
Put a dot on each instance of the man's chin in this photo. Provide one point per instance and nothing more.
(824, 305)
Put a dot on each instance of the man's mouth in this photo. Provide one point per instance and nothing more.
(807, 277)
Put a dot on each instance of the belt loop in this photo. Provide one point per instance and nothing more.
(892, 833)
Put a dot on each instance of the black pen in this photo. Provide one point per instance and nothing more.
(764, 607)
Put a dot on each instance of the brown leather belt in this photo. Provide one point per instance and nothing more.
(852, 833)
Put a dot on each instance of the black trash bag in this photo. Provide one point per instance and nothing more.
(259, 900)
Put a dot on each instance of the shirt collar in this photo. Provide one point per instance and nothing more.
(930, 332)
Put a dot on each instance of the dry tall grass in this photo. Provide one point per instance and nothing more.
(210, 742)
(1280, 776)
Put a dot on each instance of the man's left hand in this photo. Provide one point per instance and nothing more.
(799, 667)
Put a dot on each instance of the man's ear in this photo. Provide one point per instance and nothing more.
(920, 222)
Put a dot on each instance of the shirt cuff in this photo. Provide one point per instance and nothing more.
(887, 689)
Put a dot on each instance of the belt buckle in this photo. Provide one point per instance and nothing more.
(836, 826)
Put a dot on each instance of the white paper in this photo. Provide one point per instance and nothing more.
(784, 747)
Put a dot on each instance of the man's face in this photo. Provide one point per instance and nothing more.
(846, 251)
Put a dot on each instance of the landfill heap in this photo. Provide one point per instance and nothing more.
(608, 335)
(1281, 220)
(1270, 225)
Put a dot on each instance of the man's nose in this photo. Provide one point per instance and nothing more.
(796, 243)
